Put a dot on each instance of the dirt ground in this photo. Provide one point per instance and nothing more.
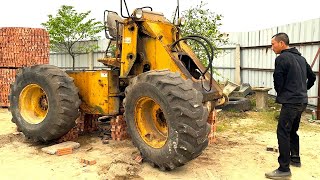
(239, 153)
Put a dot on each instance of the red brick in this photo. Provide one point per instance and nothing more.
(213, 126)
(64, 151)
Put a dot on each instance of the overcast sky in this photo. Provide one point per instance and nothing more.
(239, 15)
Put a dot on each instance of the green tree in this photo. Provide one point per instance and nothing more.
(201, 21)
(68, 28)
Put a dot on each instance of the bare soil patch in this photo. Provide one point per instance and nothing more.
(239, 153)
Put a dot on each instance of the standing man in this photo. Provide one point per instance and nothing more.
(292, 78)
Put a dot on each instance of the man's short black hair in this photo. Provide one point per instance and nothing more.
(281, 37)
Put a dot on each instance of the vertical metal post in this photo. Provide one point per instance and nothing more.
(318, 98)
(178, 6)
(91, 63)
(237, 65)
(318, 107)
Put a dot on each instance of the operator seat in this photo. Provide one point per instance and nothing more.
(112, 19)
(111, 22)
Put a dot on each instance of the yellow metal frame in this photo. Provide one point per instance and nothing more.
(153, 46)
(98, 90)
(129, 48)
(155, 49)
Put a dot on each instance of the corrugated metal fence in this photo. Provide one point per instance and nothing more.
(256, 56)
(64, 60)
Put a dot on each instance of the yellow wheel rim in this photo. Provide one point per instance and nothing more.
(33, 104)
(150, 122)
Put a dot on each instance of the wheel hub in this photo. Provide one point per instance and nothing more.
(151, 122)
(33, 104)
(43, 102)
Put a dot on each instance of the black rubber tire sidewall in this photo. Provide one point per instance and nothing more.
(156, 95)
(185, 115)
(44, 83)
(62, 96)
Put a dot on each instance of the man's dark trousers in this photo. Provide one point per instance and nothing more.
(288, 139)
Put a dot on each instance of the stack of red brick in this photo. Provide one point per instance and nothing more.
(7, 76)
(72, 135)
(213, 126)
(86, 123)
(20, 47)
(118, 128)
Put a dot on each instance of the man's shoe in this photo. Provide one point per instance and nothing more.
(295, 161)
(276, 174)
(295, 164)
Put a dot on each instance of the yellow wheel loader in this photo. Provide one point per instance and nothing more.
(164, 89)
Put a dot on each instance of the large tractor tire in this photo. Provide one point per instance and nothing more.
(44, 102)
(166, 119)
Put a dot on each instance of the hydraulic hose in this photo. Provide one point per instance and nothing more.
(211, 50)
(210, 54)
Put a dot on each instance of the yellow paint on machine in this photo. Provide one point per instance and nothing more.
(129, 48)
(98, 91)
(156, 48)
